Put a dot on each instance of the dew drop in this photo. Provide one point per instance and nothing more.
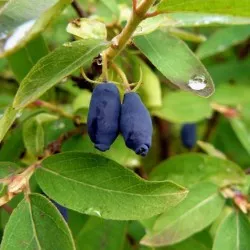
(92, 211)
(197, 82)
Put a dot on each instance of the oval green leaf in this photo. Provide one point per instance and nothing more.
(22, 20)
(192, 168)
(7, 120)
(27, 56)
(36, 224)
(87, 29)
(54, 67)
(95, 185)
(223, 39)
(233, 233)
(187, 218)
(176, 61)
(102, 234)
(183, 107)
(229, 7)
(241, 131)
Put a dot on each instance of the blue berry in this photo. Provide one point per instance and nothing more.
(63, 210)
(188, 135)
(103, 116)
(136, 124)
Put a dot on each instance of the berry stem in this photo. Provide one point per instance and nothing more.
(53, 108)
(122, 76)
(120, 41)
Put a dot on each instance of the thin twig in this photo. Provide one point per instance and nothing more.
(152, 14)
(55, 146)
(7, 208)
(211, 126)
(53, 108)
(134, 5)
(122, 76)
(121, 40)
(77, 7)
(104, 68)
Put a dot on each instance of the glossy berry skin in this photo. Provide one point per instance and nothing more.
(104, 115)
(188, 135)
(136, 124)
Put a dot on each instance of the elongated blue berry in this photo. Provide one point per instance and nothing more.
(136, 124)
(188, 135)
(103, 116)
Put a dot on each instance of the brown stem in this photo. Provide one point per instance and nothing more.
(134, 5)
(53, 108)
(55, 146)
(211, 126)
(163, 128)
(77, 7)
(152, 14)
(7, 208)
(120, 41)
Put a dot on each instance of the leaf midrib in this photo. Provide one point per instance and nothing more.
(52, 80)
(112, 191)
(190, 211)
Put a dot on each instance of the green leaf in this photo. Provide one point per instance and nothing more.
(24, 59)
(102, 234)
(108, 10)
(54, 67)
(232, 94)
(151, 24)
(224, 213)
(241, 132)
(233, 233)
(7, 120)
(36, 224)
(186, 35)
(33, 133)
(192, 168)
(150, 81)
(230, 7)
(193, 19)
(22, 20)
(183, 107)
(187, 218)
(33, 137)
(82, 100)
(223, 39)
(13, 146)
(226, 140)
(118, 152)
(188, 244)
(176, 61)
(232, 70)
(87, 29)
(211, 150)
(95, 185)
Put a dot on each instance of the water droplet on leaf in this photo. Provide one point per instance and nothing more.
(197, 82)
(92, 211)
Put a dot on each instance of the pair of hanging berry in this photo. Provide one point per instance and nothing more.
(107, 117)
